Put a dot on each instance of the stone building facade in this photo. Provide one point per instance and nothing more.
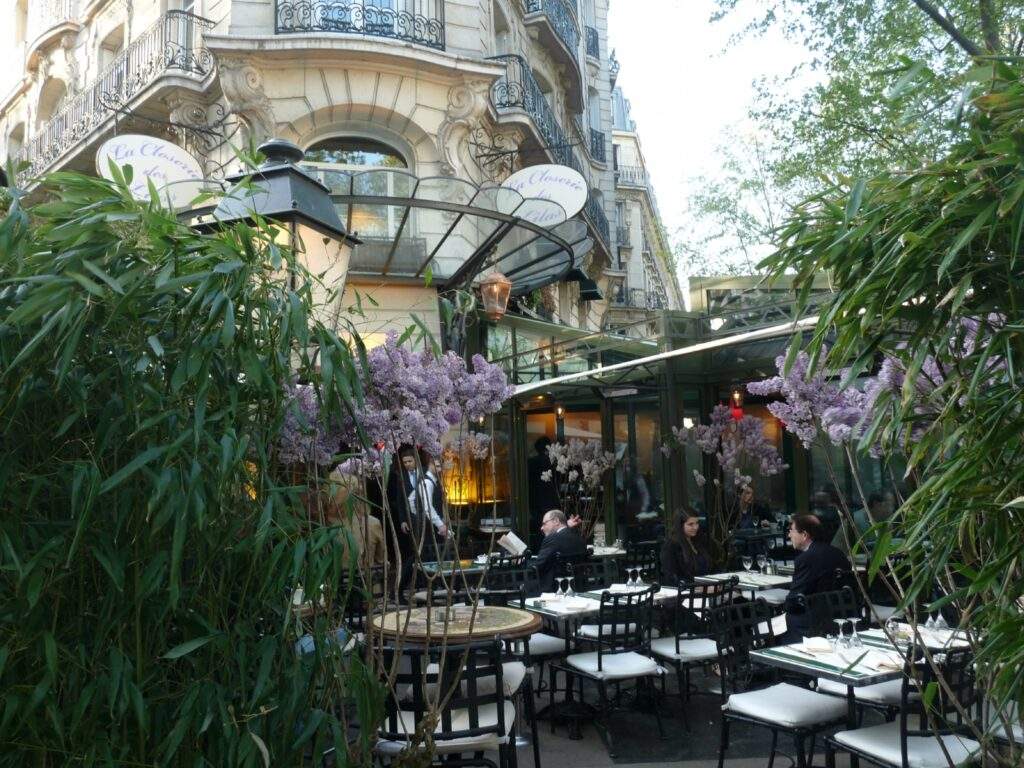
(471, 89)
(643, 261)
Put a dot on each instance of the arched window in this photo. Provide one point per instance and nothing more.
(15, 140)
(355, 152)
(502, 31)
(51, 97)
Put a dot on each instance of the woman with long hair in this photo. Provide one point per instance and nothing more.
(684, 555)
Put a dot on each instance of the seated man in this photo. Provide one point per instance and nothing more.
(560, 538)
(814, 571)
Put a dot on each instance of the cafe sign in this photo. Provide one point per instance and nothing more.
(555, 183)
(176, 175)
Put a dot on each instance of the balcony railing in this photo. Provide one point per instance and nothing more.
(632, 175)
(518, 90)
(44, 15)
(562, 20)
(593, 211)
(170, 45)
(638, 298)
(358, 18)
(597, 147)
(593, 45)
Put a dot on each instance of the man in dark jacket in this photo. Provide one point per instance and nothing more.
(559, 540)
(814, 571)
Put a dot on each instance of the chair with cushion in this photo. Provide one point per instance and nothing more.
(477, 717)
(824, 608)
(505, 561)
(593, 575)
(692, 642)
(644, 556)
(924, 733)
(621, 652)
(740, 628)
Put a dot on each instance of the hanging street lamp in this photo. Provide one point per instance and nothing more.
(494, 292)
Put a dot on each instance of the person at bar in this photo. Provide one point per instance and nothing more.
(752, 513)
(560, 538)
(814, 570)
(684, 555)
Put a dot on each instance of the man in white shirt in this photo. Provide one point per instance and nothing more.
(415, 497)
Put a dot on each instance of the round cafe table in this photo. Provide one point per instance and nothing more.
(490, 621)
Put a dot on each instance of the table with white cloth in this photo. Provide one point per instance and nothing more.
(750, 581)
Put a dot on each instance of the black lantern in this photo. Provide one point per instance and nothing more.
(279, 191)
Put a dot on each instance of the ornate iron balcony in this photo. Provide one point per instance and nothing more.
(593, 44)
(355, 18)
(638, 298)
(613, 68)
(597, 148)
(170, 45)
(44, 15)
(518, 90)
(562, 20)
(631, 175)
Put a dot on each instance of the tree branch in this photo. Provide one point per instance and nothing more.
(989, 26)
(958, 37)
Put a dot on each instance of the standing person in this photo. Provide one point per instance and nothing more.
(631, 492)
(879, 509)
(814, 570)
(684, 555)
(560, 538)
(365, 530)
(411, 499)
(543, 493)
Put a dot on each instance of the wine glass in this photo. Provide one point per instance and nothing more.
(631, 577)
(639, 578)
(842, 642)
(747, 562)
(855, 641)
(560, 587)
(762, 559)
(570, 592)
(930, 624)
(940, 623)
(890, 627)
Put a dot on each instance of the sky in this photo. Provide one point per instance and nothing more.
(687, 85)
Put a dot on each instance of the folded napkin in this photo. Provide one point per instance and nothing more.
(817, 645)
(880, 661)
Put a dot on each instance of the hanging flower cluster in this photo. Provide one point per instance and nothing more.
(471, 445)
(738, 446)
(410, 396)
(581, 460)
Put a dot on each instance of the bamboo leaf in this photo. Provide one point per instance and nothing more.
(131, 468)
(183, 649)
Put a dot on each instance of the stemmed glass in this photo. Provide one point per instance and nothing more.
(747, 562)
(631, 577)
(570, 592)
(844, 641)
(762, 560)
(639, 581)
(855, 641)
(560, 586)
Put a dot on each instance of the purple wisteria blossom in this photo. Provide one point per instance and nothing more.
(410, 396)
(738, 446)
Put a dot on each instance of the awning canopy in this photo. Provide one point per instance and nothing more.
(453, 230)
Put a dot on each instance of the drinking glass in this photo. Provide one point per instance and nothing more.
(930, 624)
(639, 577)
(747, 562)
(570, 592)
(843, 642)
(560, 587)
(618, 543)
(940, 623)
(761, 560)
(833, 640)
(631, 577)
(855, 641)
(890, 628)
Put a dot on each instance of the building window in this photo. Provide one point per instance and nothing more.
(353, 152)
(15, 141)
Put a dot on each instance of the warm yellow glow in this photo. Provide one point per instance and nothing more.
(494, 292)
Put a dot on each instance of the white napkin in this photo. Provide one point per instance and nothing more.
(817, 645)
(879, 661)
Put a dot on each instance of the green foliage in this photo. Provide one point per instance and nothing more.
(148, 542)
(927, 269)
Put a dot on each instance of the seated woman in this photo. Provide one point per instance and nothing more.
(684, 555)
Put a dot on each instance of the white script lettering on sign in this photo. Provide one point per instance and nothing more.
(173, 171)
(556, 183)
